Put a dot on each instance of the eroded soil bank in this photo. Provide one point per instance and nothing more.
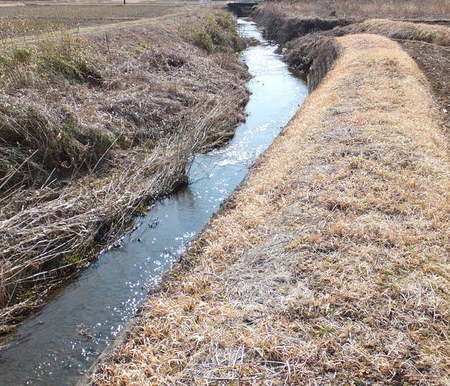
(94, 127)
(329, 265)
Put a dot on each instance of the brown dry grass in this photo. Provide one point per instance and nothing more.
(157, 100)
(435, 34)
(36, 18)
(348, 281)
(357, 9)
(428, 44)
(282, 22)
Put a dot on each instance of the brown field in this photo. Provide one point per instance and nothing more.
(362, 9)
(37, 18)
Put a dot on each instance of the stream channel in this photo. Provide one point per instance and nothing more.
(55, 346)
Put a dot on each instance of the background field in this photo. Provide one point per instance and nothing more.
(404, 9)
(34, 18)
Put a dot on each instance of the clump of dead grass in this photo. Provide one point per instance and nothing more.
(218, 32)
(37, 140)
(348, 281)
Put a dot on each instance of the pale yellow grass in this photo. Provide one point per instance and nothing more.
(404, 9)
(329, 266)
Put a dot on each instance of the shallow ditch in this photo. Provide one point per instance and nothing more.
(63, 340)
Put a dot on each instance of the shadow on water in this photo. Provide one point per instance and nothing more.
(55, 346)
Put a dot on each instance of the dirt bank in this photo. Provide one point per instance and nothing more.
(348, 281)
(94, 127)
(434, 61)
(307, 38)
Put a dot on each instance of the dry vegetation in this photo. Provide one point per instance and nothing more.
(284, 25)
(91, 128)
(427, 43)
(15, 27)
(39, 18)
(428, 33)
(348, 282)
(361, 9)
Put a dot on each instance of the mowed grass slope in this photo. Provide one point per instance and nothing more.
(348, 281)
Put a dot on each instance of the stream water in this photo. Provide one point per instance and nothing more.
(55, 346)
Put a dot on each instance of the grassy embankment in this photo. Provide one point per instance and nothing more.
(348, 281)
(91, 128)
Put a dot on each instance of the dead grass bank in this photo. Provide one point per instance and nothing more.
(38, 17)
(348, 281)
(429, 33)
(304, 37)
(93, 128)
(362, 9)
(283, 23)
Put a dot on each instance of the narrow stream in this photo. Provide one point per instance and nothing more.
(58, 344)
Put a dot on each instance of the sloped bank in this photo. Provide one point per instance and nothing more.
(309, 42)
(347, 282)
(78, 158)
